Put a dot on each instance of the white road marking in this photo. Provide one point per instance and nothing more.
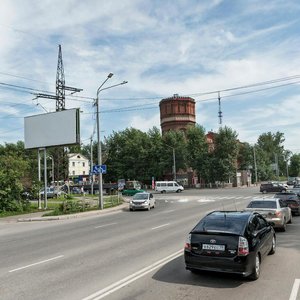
(183, 200)
(160, 226)
(167, 211)
(295, 290)
(37, 263)
(205, 200)
(131, 278)
(100, 226)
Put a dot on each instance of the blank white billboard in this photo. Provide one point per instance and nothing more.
(52, 129)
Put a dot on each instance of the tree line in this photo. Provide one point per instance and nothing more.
(133, 154)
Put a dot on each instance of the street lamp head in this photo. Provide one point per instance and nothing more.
(110, 75)
(124, 82)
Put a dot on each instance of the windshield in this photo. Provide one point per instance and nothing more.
(262, 204)
(143, 196)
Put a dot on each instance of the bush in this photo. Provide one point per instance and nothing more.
(69, 206)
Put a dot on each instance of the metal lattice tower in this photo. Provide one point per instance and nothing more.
(60, 83)
(220, 112)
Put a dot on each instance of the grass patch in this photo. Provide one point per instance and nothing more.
(61, 206)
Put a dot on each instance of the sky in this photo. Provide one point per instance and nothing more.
(246, 50)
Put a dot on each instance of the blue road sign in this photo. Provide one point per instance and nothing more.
(103, 169)
(97, 169)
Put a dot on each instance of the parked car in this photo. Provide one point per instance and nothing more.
(230, 241)
(51, 192)
(271, 188)
(274, 210)
(142, 201)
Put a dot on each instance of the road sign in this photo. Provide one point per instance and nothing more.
(103, 169)
(97, 169)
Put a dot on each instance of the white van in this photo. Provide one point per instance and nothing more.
(168, 186)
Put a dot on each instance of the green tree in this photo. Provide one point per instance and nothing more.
(12, 169)
(270, 150)
(127, 154)
(197, 148)
(174, 140)
(294, 170)
(225, 154)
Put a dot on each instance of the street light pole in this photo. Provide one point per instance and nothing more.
(255, 166)
(174, 162)
(100, 184)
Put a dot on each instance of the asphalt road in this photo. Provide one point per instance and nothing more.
(137, 255)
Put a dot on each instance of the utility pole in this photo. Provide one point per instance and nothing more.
(255, 166)
(92, 175)
(60, 85)
(174, 164)
(220, 112)
(60, 94)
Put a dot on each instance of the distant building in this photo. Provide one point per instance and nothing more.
(78, 165)
(177, 113)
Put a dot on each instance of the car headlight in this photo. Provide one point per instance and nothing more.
(146, 202)
(130, 202)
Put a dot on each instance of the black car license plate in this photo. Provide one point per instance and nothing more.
(213, 247)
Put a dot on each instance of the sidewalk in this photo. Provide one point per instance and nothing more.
(38, 216)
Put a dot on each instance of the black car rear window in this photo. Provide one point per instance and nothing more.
(262, 204)
(292, 201)
(222, 223)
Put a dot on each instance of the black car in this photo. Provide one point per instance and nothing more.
(231, 242)
(271, 188)
(292, 200)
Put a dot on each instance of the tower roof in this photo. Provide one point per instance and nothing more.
(177, 97)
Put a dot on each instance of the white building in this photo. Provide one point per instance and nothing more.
(78, 164)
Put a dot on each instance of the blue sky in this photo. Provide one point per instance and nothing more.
(161, 48)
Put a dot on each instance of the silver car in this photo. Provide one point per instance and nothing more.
(274, 210)
(142, 201)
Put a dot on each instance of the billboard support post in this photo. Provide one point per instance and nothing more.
(45, 178)
(39, 177)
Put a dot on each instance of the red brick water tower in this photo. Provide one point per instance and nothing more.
(177, 113)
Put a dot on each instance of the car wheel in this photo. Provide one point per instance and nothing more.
(178, 191)
(153, 205)
(264, 191)
(256, 270)
(272, 251)
(130, 209)
(149, 207)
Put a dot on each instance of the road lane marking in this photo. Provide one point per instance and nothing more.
(167, 211)
(295, 290)
(160, 226)
(37, 263)
(131, 278)
(100, 226)
(205, 200)
(183, 200)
